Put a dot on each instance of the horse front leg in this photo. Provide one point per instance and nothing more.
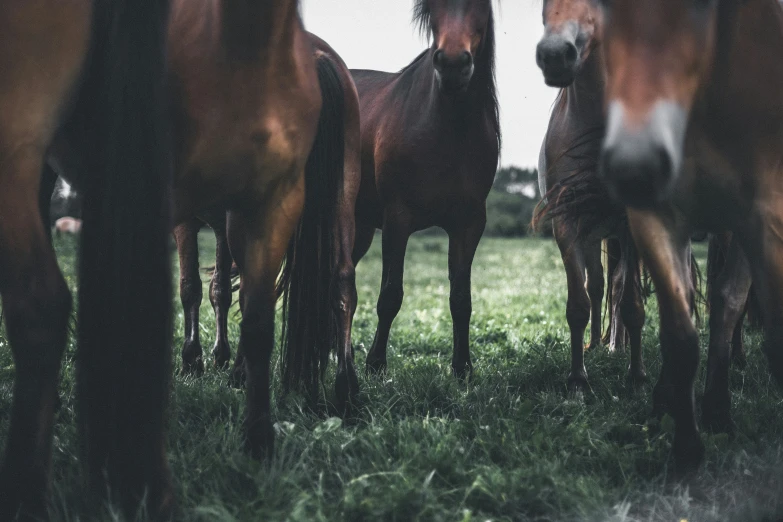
(267, 233)
(36, 307)
(463, 243)
(665, 253)
(190, 293)
(396, 231)
(578, 305)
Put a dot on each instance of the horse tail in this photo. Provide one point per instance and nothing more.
(124, 357)
(309, 322)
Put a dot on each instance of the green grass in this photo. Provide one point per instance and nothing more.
(507, 446)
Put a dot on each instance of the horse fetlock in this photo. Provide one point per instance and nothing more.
(259, 436)
(346, 388)
(192, 358)
(221, 353)
(688, 451)
(716, 411)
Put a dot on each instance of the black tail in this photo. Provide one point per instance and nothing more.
(309, 322)
(125, 274)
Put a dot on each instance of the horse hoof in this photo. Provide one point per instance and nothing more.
(375, 365)
(688, 455)
(192, 359)
(237, 377)
(259, 438)
(577, 385)
(716, 415)
(637, 378)
(221, 355)
(346, 389)
(462, 371)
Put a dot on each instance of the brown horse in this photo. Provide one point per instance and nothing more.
(98, 67)
(695, 123)
(430, 142)
(318, 280)
(583, 213)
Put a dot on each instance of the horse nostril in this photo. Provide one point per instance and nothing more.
(437, 59)
(465, 59)
(570, 54)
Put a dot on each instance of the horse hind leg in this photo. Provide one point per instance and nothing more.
(616, 335)
(344, 305)
(190, 292)
(632, 311)
(595, 291)
(36, 306)
(727, 306)
(220, 293)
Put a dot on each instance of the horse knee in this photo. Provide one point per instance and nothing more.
(578, 310)
(37, 321)
(390, 301)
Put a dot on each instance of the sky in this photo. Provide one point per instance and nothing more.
(378, 34)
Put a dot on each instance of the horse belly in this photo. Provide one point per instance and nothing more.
(45, 44)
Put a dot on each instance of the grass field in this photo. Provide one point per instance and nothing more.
(506, 446)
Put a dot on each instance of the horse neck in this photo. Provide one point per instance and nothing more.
(584, 98)
(744, 88)
(249, 27)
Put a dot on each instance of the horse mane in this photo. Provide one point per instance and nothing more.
(484, 77)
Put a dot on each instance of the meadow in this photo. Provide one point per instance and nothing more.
(508, 445)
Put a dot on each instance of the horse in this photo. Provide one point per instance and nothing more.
(430, 145)
(317, 282)
(695, 122)
(581, 209)
(99, 67)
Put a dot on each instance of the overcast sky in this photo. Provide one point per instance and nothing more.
(377, 34)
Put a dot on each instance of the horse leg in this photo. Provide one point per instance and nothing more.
(763, 248)
(595, 290)
(344, 305)
(578, 306)
(236, 234)
(48, 182)
(727, 305)
(396, 231)
(190, 294)
(617, 276)
(738, 357)
(36, 306)
(267, 235)
(632, 311)
(463, 243)
(362, 241)
(665, 252)
(220, 291)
